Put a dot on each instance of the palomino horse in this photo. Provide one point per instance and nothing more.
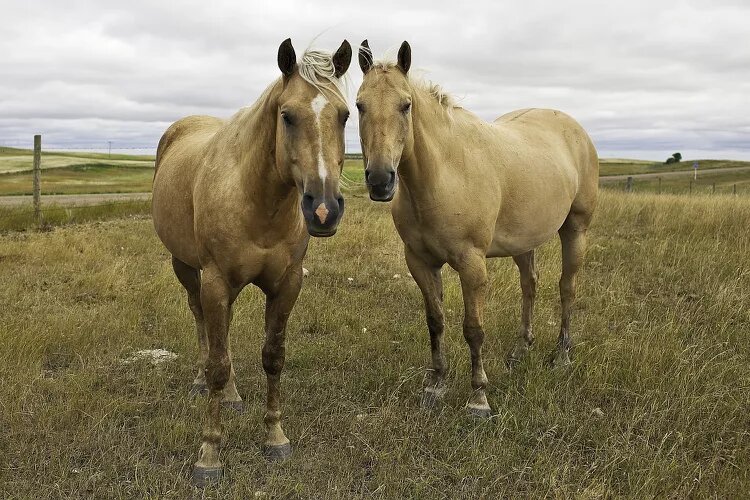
(226, 204)
(471, 190)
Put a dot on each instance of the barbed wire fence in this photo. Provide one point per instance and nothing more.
(78, 203)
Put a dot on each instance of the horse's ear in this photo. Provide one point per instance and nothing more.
(365, 56)
(404, 57)
(342, 58)
(287, 58)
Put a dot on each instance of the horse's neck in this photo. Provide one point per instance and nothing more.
(252, 135)
(420, 169)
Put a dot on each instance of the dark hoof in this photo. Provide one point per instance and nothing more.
(202, 476)
(560, 359)
(238, 406)
(198, 390)
(278, 452)
(517, 354)
(479, 412)
(432, 398)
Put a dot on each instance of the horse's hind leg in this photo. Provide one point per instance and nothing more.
(430, 282)
(573, 239)
(527, 269)
(190, 278)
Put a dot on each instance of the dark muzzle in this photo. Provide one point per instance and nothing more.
(322, 215)
(381, 183)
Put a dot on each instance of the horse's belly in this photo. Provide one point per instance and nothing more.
(518, 233)
(508, 245)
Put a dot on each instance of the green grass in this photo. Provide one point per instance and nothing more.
(629, 167)
(21, 218)
(16, 160)
(662, 350)
(81, 178)
(708, 182)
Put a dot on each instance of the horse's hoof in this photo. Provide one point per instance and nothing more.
(202, 476)
(477, 411)
(432, 397)
(277, 452)
(238, 406)
(516, 355)
(561, 359)
(198, 390)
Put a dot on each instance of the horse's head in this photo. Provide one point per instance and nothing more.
(385, 125)
(312, 113)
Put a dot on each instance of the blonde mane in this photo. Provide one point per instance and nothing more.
(316, 68)
(433, 89)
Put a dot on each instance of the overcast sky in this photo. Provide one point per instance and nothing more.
(645, 78)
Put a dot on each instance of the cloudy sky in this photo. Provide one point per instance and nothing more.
(645, 78)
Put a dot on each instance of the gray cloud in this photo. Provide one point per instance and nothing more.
(645, 78)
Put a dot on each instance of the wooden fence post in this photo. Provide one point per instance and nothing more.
(629, 184)
(37, 175)
(659, 185)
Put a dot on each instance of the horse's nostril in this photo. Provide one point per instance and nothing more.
(393, 177)
(367, 175)
(307, 199)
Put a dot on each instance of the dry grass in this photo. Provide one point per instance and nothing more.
(662, 329)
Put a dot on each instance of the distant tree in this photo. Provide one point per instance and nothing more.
(670, 160)
(677, 157)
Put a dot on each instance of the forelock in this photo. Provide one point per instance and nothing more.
(316, 68)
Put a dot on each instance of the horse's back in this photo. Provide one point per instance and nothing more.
(179, 158)
(553, 139)
(549, 169)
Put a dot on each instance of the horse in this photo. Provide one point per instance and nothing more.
(470, 190)
(226, 205)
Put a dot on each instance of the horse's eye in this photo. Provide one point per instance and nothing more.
(287, 118)
(360, 107)
(405, 107)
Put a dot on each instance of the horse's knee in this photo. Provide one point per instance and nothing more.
(273, 358)
(217, 372)
(474, 335)
(435, 323)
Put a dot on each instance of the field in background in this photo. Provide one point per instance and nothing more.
(75, 173)
(656, 404)
(615, 166)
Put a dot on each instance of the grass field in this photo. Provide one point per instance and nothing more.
(657, 403)
(630, 167)
(15, 159)
(708, 182)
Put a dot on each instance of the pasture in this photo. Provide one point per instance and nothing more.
(657, 402)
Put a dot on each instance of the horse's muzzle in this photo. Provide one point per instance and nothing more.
(381, 183)
(322, 215)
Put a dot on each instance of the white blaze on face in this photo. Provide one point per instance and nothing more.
(318, 104)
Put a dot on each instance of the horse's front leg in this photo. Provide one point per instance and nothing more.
(472, 269)
(216, 301)
(279, 304)
(430, 283)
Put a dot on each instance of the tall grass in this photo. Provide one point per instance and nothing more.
(657, 403)
(21, 218)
